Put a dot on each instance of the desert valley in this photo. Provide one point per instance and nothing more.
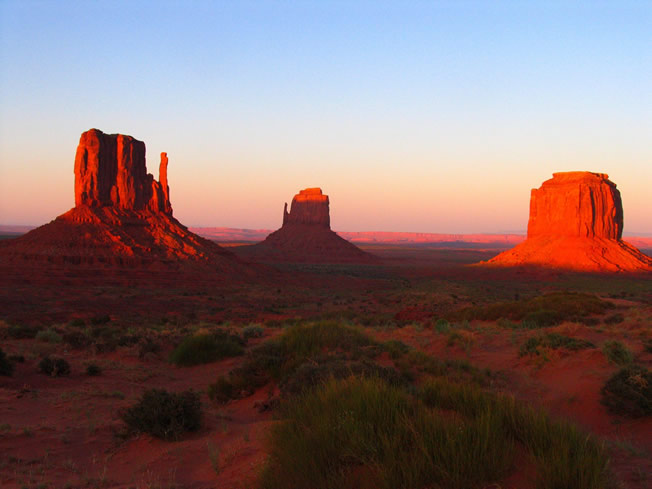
(325, 244)
(136, 353)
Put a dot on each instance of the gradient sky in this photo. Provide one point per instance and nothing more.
(413, 116)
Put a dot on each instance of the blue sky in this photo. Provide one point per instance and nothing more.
(412, 116)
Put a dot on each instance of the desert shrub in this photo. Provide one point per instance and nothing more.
(617, 353)
(629, 392)
(17, 358)
(206, 348)
(586, 321)
(77, 323)
(614, 319)
(395, 348)
(442, 326)
(165, 415)
(19, 332)
(100, 319)
(6, 366)
(148, 346)
(316, 372)
(545, 310)
(554, 341)
(93, 370)
(564, 455)
(56, 367)
(252, 331)
(363, 431)
(76, 339)
(221, 391)
(543, 318)
(48, 336)
(279, 357)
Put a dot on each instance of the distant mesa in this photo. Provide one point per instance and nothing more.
(122, 217)
(576, 223)
(306, 235)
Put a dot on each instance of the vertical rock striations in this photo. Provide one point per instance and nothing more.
(110, 171)
(579, 203)
(309, 207)
(576, 222)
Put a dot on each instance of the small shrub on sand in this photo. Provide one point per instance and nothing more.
(617, 353)
(19, 332)
(93, 370)
(165, 415)
(395, 348)
(252, 331)
(48, 336)
(555, 341)
(206, 348)
(56, 367)
(6, 367)
(614, 319)
(629, 392)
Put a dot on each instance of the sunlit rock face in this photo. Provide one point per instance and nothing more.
(122, 218)
(581, 204)
(110, 171)
(309, 206)
(576, 223)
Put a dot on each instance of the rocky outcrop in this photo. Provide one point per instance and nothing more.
(306, 236)
(576, 223)
(122, 218)
(310, 207)
(579, 203)
(110, 170)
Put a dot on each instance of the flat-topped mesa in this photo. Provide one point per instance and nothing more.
(309, 207)
(110, 170)
(576, 204)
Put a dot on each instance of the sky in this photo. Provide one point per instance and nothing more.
(413, 116)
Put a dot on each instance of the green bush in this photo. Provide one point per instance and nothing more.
(542, 311)
(221, 391)
(614, 319)
(554, 341)
(6, 366)
(93, 370)
(442, 326)
(165, 415)
(19, 332)
(617, 353)
(395, 348)
(76, 339)
(278, 358)
(362, 431)
(48, 336)
(252, 331)
(206, 348)
(629, 392)
(56, 367)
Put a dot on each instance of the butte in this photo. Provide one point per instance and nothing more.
(576, 223)
(306, 236)
(122, 219)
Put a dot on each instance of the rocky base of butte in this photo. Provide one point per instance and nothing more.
(306, 236)
(122, 218)
(576, 223)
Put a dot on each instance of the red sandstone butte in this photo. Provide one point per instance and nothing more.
(122, 217)
(576, 223)
(306, 235)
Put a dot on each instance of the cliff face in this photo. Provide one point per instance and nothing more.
(576, 223)
(306, 236)
(110, 171)
(309, 206)
(576, 204)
